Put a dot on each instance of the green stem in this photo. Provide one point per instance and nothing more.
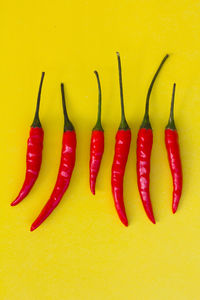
(67, 124)
(36, 120)
(171, 124)
(123, 124)
(98, 125)
(146, 123)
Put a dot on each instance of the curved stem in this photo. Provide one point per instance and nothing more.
(146, 123)
(171, 123)
(123, 124)
(67, 124)
(36, 121)
(98, 125)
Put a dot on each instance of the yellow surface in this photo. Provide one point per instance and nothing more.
(82, 252)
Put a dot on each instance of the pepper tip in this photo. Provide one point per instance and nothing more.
(152, 219)
(33, 227)
(92, 188)
(174, 209)
(124, 221)
(13, 203)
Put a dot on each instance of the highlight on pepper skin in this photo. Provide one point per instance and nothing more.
(97, 144)
(144, 146)
(122, 146)
(173, 151)
(34, 152)
(68, 157)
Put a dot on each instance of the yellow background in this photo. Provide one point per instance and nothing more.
(82, 251)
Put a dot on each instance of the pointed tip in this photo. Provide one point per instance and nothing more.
(17, 200)
(152, 219)
(93, 191)
(14, 203)
(124, 220)
(149, 213)
(174, 209)
(125, 223)
(117, 53)
(35, 225)
(92, 186)
(33, 228)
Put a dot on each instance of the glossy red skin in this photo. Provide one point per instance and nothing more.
(172, 146)
(122, 146)
(144, 146)
(96, 153)
(68, 156)
(33, 162)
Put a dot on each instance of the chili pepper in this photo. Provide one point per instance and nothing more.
(122, 146)
(97, 144)
(172, 146)
(34, 152)
(144, 146)
(67, 163)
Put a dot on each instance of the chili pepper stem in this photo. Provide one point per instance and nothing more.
(67, 162)
(144, 147)
(122, 146)
(172, 147)
(36, 121)
(171, 123)
(97, 143)
(67, 123)
(123, 124)
(98, 125)
(146, 123)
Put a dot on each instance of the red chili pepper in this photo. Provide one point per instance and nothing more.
(67, 163)
(172, 146)
(97, 144)
(144, 146)
(122, 146)
(34, 153)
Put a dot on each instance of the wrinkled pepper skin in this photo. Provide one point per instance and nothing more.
(144, 146)
(34, 152)
(33, 162)
(172, 146)
(96, 153)
(122, 146)
(68, 156)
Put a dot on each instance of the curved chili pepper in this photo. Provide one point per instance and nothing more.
(144, 146)
(34, 152)
(67, 163)
(172, 146)
(122, 146)
(97, 144)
